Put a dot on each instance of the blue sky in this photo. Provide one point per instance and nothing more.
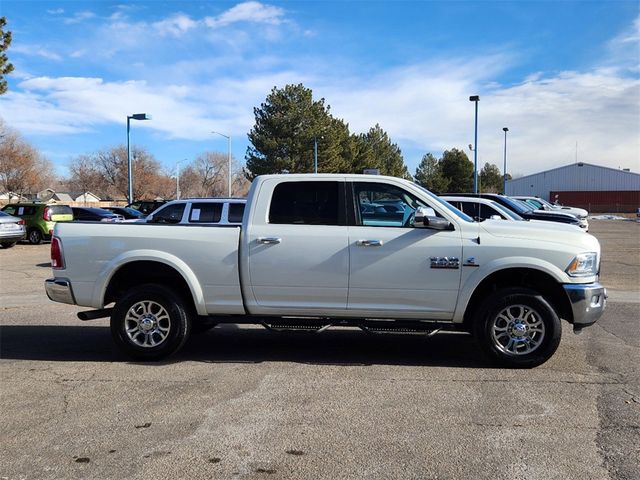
(555, 73)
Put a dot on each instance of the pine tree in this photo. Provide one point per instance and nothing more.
(429, 174)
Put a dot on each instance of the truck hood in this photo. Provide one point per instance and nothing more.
(547, 232)
(580, 212)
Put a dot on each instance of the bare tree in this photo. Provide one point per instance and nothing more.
(22, 168)
(207, 176)
(85, 176)
(113, 165)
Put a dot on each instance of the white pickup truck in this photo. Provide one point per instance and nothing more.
(315, 251)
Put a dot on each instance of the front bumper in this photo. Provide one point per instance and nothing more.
(59, 290)
(588, 302)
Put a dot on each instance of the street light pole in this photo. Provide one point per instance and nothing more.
(315, 154)
(228, 137)
(476, 99)
(135, 116)
(178, 178)
(504, 171)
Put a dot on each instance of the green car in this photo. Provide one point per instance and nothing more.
(39, 218)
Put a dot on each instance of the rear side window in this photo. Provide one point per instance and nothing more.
(169, 214)
(205, 213)
(305, 203)
(20, 210)
(236, 211)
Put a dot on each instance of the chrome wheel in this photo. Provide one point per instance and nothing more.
(147, 324)
(517, 330)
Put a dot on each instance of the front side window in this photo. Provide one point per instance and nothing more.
(382, 205)
(205, 213)
(169, 214)
(470, 208)
(305, 203)
(487, 211)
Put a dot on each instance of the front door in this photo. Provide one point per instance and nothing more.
(397, 270)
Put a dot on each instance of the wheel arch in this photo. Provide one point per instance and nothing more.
(144, 271)
(531, 278)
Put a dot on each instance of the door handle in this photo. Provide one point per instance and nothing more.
(269, 240)
(369, 243)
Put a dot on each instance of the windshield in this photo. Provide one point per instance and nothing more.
(544, 202)
(517, 205)
(446, 205)
(133, 213)
(507, 212)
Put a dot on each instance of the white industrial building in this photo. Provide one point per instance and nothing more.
(597, 188)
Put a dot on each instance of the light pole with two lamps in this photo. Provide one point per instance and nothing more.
(228, 137)
(135, 116)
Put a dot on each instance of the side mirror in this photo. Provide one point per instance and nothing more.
(425, 217)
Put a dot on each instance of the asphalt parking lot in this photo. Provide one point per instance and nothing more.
(247, 403)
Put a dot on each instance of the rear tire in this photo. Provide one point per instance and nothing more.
(34, 236)
(150, 322)
(518, 328)
(8, 244)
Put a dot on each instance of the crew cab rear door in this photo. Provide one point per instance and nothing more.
(297, 247)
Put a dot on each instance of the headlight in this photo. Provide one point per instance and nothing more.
(583, 265)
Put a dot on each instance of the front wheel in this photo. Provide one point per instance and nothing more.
(518, 327)
(150, 322)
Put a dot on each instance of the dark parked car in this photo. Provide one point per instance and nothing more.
(92, 214)
(127, 212)
(12, 230)
(523, 210)
(146, 206)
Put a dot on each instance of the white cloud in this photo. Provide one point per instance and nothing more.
(427, 109)
(175, 25)
(35, 51)
(55, 11)
(254, 12)
(79, 17)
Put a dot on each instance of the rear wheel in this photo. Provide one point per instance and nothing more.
(518, 328)
(150, 322)
(34, 236)
(8, 244)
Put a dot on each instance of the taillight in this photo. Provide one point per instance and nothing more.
(47, 214)
(57, 257)
(21, 222)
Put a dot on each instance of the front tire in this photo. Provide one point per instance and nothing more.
(150, 322)
(518, 328)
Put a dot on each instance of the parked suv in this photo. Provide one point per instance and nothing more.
(39, 218)
(219, 211)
